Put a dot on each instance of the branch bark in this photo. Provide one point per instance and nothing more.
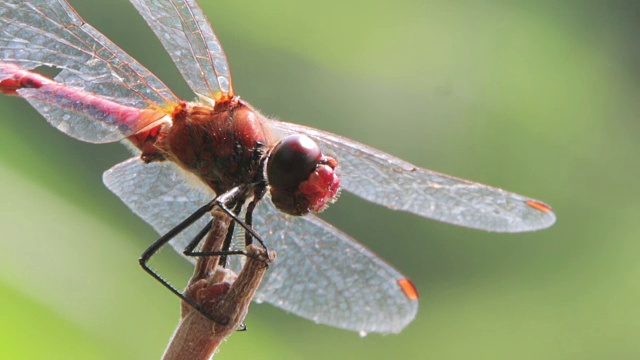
(221, 294)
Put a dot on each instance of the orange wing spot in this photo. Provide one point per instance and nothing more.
(408, 288)
(538, 205)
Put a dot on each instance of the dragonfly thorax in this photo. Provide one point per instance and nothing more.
(222, 145)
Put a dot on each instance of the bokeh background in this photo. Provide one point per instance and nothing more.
(538, 97)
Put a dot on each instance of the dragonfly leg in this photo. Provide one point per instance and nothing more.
(227, 241)
(220, 202)
(247, 227)
(257, 196)
(163, 240)
(189, 249)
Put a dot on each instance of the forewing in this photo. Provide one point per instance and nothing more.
(185, 33)
(396, 184)
(320, 273)
(50, 33)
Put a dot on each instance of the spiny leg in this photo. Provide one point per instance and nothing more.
(163, 240)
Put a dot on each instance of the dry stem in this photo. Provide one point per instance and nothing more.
(222, 296)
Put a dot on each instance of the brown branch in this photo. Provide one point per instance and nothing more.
(221, 294)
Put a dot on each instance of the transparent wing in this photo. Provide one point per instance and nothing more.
(50, 33)
(324, 275)
(185, 33)
(396, 184)
(161, 194)
(320, 274)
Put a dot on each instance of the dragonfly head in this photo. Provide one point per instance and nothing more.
(301, 178)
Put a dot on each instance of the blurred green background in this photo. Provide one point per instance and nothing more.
(538, 97)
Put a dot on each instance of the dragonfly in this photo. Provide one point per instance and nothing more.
(271, 176)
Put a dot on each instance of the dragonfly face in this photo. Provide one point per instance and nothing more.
(301, 179)
(102, 95)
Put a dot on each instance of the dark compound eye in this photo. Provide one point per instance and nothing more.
(301, 179)
(291, 161)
